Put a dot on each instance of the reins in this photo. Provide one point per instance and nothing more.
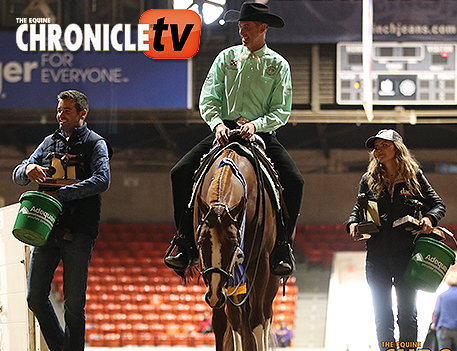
(260, 203)
(218, 270)
(259, 227)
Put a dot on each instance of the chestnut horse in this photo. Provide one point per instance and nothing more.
(229, 200)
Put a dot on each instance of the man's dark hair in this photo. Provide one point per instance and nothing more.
(81, 102)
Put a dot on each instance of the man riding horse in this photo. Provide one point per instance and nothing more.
(248, 87)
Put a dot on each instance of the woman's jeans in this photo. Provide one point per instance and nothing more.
(75, 256)
(382, 272)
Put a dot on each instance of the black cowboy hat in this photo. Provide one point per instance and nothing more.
(254, 11)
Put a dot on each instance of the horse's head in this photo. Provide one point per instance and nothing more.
(217, 241)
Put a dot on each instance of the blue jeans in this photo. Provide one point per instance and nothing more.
(75, 256)
(382, 272)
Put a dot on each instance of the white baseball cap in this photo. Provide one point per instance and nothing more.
(385, 134)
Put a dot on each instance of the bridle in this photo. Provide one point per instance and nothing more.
(219, 208)
(260, 226)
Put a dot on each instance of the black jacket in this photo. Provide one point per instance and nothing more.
(396, 241)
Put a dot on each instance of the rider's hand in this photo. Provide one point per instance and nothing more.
(222, 134)
(36, 173)
(247, 130)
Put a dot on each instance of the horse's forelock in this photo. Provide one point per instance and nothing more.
(219, 210)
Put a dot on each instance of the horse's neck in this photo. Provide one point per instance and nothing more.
(225, 187)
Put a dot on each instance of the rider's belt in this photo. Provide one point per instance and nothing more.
(234, 124)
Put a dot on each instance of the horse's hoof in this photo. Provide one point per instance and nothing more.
(178, 262)
(282, 269)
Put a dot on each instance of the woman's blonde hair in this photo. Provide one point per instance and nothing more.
(406, 167)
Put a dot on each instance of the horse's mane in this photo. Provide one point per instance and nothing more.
(221, 181)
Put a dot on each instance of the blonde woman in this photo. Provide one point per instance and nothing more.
(395, 183)
(445, 315)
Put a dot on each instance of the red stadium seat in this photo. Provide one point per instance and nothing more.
(146, 338)
(129, 338)
(96, 339)
(112, 340)
(163, 340)
(134, 299)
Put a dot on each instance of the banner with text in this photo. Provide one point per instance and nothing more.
(111, 79)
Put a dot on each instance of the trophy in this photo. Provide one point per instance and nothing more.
(412, 224)
(61, 172)
(370, 214)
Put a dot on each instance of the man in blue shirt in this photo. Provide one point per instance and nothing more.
(73, 236)
(445, 315)
(248, 87)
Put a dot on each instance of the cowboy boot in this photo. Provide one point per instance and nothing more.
(186, 253)
(282, 260)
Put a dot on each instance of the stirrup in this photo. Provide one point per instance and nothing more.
(184, 257)
(173, 244)
(282, 263)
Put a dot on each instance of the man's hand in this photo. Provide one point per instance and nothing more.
(247, 130)
(36, 173)
(222, 134)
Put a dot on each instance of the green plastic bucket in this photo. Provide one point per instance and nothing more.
(36, 217)
(429, 264)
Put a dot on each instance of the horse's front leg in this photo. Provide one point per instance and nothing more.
(235, 317)
(270, 293)
(219, 323)
(245, 333)
(259, 325)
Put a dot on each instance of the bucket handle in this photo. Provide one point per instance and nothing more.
(448, 232)
(444, 230)
(416, 235)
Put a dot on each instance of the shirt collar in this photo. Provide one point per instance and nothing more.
(259, 52)
(77, 132)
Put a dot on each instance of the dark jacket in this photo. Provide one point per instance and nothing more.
(396, 241)
(82, 201)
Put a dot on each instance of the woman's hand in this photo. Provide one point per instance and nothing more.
(353, 230)
(426, 224)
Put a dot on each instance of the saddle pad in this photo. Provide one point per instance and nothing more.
(243, 151)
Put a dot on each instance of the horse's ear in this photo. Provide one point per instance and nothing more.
(238, 209)
(203, 207)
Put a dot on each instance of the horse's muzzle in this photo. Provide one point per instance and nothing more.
(216, 296)
(217, 300)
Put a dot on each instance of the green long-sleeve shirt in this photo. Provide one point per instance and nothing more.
(257, 89)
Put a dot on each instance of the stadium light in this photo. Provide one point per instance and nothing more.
(209, 10)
